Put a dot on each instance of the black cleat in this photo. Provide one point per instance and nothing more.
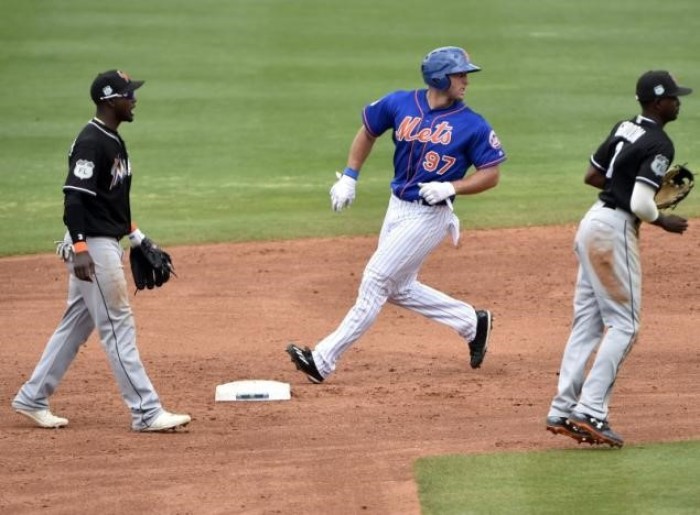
(598, 429)
(479, 345)
(561, 426)
(304, 362)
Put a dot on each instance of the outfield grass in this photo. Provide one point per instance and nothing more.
(250, 105)
(649, 479)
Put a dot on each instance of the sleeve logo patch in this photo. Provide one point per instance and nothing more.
(494, 141)
(83, 169)
(659, 165)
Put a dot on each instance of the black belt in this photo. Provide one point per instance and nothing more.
(117, 238)
(424, 202)
(612, 206)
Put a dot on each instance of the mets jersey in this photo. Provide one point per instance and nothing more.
(431, 144)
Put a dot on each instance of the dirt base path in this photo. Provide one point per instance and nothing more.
(347, 446)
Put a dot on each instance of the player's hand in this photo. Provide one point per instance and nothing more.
(434, 192)
(342, 192)
(83, 266)
(671, 223)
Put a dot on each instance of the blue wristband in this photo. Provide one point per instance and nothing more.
(351, 172)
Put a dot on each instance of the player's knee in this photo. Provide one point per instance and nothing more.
(625, 334)
(375, 285)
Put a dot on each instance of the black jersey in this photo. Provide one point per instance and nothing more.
(636, 150)
(99, 169)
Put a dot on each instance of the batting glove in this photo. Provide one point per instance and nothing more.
(64, 249)
(434, 192)
(343, 191)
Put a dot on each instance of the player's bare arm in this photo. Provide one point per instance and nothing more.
(360, 148)
(343, 191)
(481, 180)
(594, 177)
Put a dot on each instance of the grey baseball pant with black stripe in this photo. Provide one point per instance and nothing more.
(102, 304)
(607, 308)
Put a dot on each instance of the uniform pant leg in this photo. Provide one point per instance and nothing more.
(108, 302)
(618, 288)
(413, 295)
(586, 334)
(409, 234)
(438, 306)
(73, 330)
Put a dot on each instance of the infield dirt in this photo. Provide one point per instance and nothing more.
(402, 392)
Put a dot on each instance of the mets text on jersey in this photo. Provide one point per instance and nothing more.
(442, 133)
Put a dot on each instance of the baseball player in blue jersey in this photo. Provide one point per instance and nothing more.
(437, 139)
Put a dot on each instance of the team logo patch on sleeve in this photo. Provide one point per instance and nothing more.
(493, 140)
(659, 165)
(83, 169)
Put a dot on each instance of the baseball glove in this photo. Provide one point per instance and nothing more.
(151, 266)
(675, 186)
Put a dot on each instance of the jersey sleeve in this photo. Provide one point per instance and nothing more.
(654, 167)
(83, 163)
(600, 159)
(486, 150)
(378, 116)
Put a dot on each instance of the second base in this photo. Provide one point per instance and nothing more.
(253, 390)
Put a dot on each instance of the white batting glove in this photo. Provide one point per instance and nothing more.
(342, 192)
(64, 250)
(434, 192)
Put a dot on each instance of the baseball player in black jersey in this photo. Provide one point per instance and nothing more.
(97, 216)
(628, 167)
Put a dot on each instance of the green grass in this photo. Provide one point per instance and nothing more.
(651, 479)
(250, 105)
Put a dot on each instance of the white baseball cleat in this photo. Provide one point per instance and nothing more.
(43, 417)
(167, 421)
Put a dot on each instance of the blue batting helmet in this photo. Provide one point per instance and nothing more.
(444, 61)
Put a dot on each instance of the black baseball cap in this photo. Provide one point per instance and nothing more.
(112, 84)
(659, 84)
